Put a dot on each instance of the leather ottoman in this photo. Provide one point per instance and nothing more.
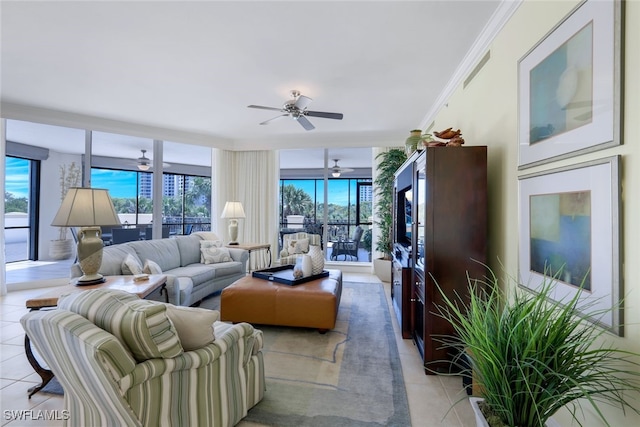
(312, 304)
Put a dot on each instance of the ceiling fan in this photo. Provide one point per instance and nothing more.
(144, 163)
(296, 108)
(336, 170)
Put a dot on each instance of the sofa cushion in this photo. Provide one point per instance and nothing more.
(194, 325)
(112, 257)
(131, 265)
(223, 269)
(141, 325)
(163, 251)
(198, 273)
(189, 247)
(206, 235)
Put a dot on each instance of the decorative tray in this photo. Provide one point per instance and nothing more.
(284, 274)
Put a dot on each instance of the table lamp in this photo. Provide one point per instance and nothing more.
(233, 211)
(88, 208)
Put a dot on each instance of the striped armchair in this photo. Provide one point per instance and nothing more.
(296, 244)
(106, 383)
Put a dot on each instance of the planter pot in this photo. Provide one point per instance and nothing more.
(382, 269)
(61, 249)
(482, 422)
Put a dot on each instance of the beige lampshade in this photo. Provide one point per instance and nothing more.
(233, 210)
(86, 207)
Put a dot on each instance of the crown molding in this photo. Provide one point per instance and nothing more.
(500, 17)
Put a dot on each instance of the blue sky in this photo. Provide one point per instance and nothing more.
(121, 184)
(337, 193)
(17, 177)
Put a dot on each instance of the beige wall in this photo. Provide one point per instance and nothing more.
(486, 112)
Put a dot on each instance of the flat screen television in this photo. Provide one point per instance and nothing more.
(403, 217)
(404, 207)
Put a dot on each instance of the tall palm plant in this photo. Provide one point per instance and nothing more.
(296, 201)
(390, 161)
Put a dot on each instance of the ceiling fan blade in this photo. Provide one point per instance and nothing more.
(302, 102)
(266, 122)
(264, 108)
(305, 123)
(324, 115)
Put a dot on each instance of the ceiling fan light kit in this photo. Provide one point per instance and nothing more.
(336, 170)
(296, 108)
(144, 163)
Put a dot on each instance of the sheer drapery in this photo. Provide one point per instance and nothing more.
(3, 144)
(250, 177)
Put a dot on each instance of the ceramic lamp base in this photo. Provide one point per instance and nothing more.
(90, 253)
(233, 231)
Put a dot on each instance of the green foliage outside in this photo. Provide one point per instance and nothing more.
(298, 202)
(197, 202)
(15, 204)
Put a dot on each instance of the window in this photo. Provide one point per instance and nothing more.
(20, 208)
(186, 201)
(348, 205)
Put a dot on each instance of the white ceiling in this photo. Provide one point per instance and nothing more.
(186, 71)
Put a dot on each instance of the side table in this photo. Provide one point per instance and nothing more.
(50, 299)
(265, 262)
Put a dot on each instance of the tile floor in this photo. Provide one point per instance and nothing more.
(430, 397)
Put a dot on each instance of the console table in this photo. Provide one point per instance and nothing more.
(141, 288)
(265, 261)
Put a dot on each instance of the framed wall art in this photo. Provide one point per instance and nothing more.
(569, 86)
(569, 228)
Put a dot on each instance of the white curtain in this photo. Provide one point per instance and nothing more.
(252, 178)
(3, 145)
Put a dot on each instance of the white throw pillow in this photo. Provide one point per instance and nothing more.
(300, 246)
(151, 267)
(131, 265)
(194, 325)
(212, 253)
(205, 244)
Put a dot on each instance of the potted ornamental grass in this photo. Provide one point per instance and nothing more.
(530, 355)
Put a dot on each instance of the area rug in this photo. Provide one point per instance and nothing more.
(350, 376)
(52, 387)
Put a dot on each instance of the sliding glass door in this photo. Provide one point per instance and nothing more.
(21, 208)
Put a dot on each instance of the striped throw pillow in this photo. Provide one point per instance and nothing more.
(142, 326)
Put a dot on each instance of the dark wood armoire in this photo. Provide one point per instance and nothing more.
(440, 237)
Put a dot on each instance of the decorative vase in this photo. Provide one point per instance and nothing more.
(297, 268)
(411, 144)
(61, 249)
(317, 259)
(307, 266)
